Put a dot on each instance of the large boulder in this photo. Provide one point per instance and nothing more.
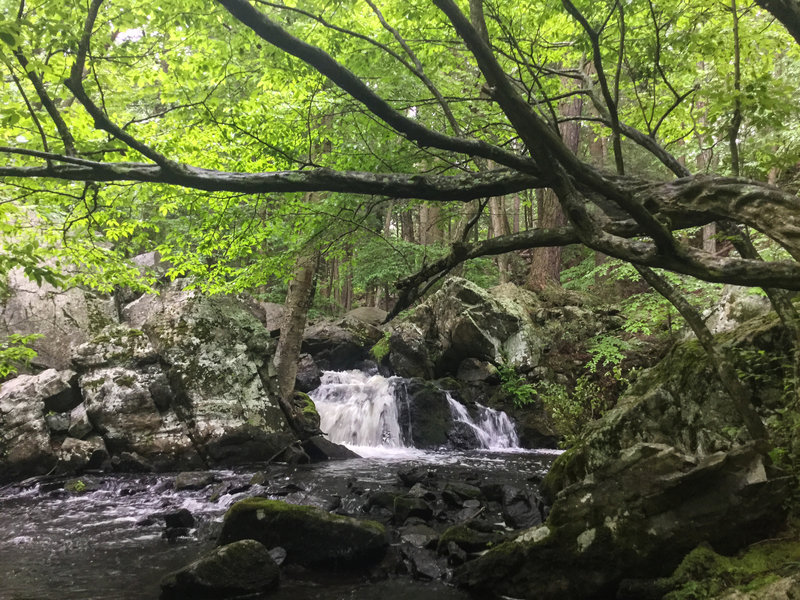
(25, 447)
(669, 468)
(64, 318)
(340, 345)
(463, 321)
(636, 518)
(310, 536)
(217, 357)
(243, 568)
(128, 399)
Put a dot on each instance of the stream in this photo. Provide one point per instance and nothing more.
(108, 542)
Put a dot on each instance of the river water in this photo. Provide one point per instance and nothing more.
(108, 543)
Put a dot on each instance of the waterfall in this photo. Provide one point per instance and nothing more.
(361, 409)
(493, 429)
(358, 409)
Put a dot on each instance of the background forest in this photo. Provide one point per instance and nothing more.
(361, 152)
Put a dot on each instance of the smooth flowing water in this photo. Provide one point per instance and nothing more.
(108, 543)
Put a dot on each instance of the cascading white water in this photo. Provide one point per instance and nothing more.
(493, 429)
(358, 409)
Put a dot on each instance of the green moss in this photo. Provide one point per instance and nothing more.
(705, 574)
(257, 503)
(381, 350)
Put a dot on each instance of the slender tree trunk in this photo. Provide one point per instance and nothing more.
(298, 302)
(545, 266)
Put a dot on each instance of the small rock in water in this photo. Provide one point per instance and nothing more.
(193, 480)
(179, 518)
(278, 554)
(420, 536)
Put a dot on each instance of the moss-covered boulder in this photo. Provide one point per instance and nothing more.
(310, 536)
(637, 517)
(681, 403)
(242, 568)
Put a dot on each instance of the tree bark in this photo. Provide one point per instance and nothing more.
(298, 302)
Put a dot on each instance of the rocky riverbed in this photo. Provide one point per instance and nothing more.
(103, 537)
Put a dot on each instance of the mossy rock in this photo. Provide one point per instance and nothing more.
(705, 574)
(311, 536)
(468, 539)
(238, 569)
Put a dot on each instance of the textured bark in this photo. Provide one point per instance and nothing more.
(545, 266)
(298, 302)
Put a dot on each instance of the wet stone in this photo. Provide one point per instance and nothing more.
(420, 536)
(194, 481)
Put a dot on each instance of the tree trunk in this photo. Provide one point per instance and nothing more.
(298, 302)
(546, 262)
(545, 267)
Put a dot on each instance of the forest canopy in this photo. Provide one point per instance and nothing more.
(235, 136)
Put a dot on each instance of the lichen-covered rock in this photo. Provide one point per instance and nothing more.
(119, 402)
(680, 403)
(636, 517)
(736, 305)
(218, 364)
(243, 568)
(310, 536)
(670, 467)
(25, 447)
(463, 321)
(76, 455)
(65, 318)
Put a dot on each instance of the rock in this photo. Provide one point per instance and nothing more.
(472, 369)
(194, 480)
(409, 354)
(25, 447)
(64, 318)
(308, 374)
(219, 367)
(406, 507)
(242, 568)
(736, 305)
(463, 321)
(420, 536)
(305, 418)
(130, 462)
(422, 564)
(311, 537)
(367, 314)
(340, 345)
(427, 413)
(179, 519)
(57, 422)
(468, 539)
(520, 508)
(636, 517)
(77, 455)
(416, 474)
(119, 403)
(79, 425)
(320, 449)
(679, 403)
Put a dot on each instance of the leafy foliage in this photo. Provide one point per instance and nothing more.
(16, 353)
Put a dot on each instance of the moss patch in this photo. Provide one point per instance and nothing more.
(705, 574)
